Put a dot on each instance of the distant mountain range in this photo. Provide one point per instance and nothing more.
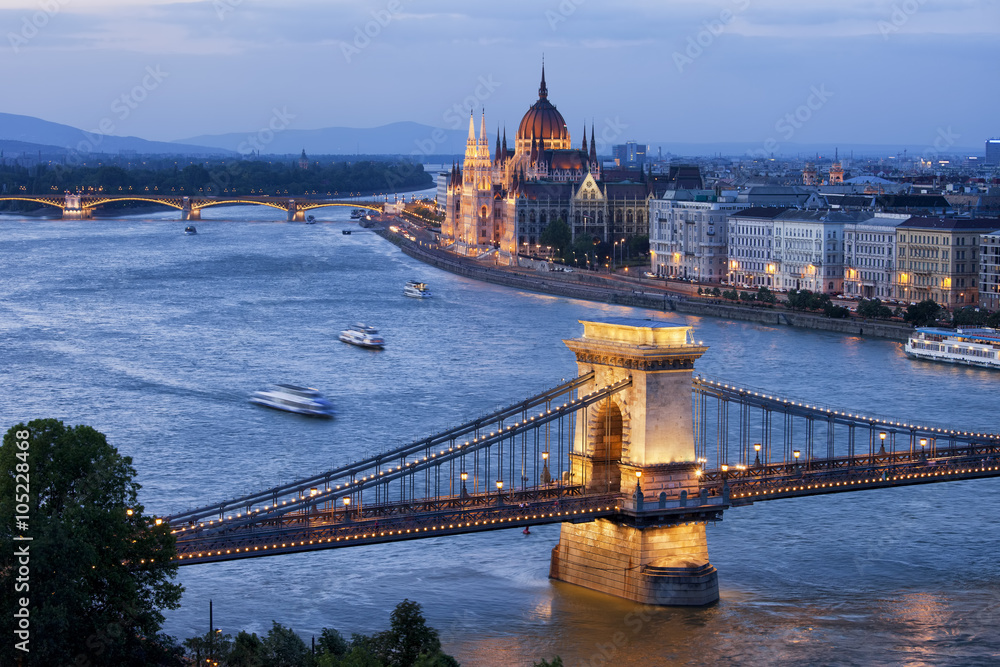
(404, 138)
(26, 134)
(29, 134)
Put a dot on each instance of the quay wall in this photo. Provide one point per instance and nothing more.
(580, 285)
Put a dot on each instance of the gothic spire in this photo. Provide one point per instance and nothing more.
(543, 92)
(472, 128)
(584, 146)
(496, 155)
(505, 142)
(593, 146)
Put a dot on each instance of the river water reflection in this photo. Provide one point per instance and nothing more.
(156, 339)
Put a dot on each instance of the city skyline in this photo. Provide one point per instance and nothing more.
(730, 71)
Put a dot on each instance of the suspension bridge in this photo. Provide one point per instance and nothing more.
(80, 206)
(633, 457)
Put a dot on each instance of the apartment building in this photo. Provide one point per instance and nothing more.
(687, 234)
(938, 258)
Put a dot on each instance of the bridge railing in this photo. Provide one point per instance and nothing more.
(743, 426)
(533, 450)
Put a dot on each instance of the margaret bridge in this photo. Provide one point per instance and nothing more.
(632, 457)
(81, 206)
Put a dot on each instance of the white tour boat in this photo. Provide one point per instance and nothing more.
(974, 347)
(362, 336)
(292, 398)
(417, 290)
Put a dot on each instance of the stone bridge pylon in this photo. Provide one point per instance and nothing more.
(640, 442)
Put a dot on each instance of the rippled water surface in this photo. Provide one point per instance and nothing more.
(156, 339)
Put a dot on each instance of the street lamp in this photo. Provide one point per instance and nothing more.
(465, 491)
(881, 437)
(756, 449)
(546, 476)
(499, 491)
(923, 449)
(796, 454)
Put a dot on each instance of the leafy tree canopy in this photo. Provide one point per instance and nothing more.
(922, 314)
(100, 571)
(558, 235)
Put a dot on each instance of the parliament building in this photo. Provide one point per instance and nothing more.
(504, 199)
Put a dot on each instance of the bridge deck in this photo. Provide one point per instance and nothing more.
(400, 494)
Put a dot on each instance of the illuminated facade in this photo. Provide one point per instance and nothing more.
(505, 199)
(869, 256)
(938, 258)
(989, 271)
(687, 234)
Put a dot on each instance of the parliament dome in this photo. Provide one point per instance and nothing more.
(542, 122)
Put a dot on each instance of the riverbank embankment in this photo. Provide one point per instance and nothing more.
(637, 293)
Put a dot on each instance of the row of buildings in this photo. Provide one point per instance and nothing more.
(709, 237)
(872, 242)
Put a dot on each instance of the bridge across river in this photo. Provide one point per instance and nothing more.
(78, 206)
(633, 457)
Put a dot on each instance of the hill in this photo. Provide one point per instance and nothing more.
(67, 139)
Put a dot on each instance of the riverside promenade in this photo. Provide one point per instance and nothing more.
(630, 291)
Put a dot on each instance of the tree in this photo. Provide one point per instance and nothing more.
(970, 316)
(408, 636)
(922, 314)
(247, 651)
(333, 643)
(834, 311)
(555, 662)
(283, 648)
(638, 246)
(217, 647)
(873, 309)
(100, 570)
(558, 235)
(764, 295)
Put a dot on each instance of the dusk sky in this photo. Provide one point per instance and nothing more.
(845, 72)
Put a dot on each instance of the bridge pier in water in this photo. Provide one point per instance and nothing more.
(74, 210)
(295, 214)
(640, 442)
(189, 213)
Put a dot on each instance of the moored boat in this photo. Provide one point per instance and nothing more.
(190, 230)
(363, 336)
(293, 398)
(973, 347)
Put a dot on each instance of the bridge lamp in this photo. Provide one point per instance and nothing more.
(347, 502)
(499, 485)
(756, 449)
(881, 437)
(923, 448)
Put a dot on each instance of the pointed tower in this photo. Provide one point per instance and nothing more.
(583, 146)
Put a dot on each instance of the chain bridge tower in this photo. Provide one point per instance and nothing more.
(639, 440)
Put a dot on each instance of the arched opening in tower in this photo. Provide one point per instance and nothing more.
(606, 451)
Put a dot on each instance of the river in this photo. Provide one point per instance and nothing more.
(156, 339)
